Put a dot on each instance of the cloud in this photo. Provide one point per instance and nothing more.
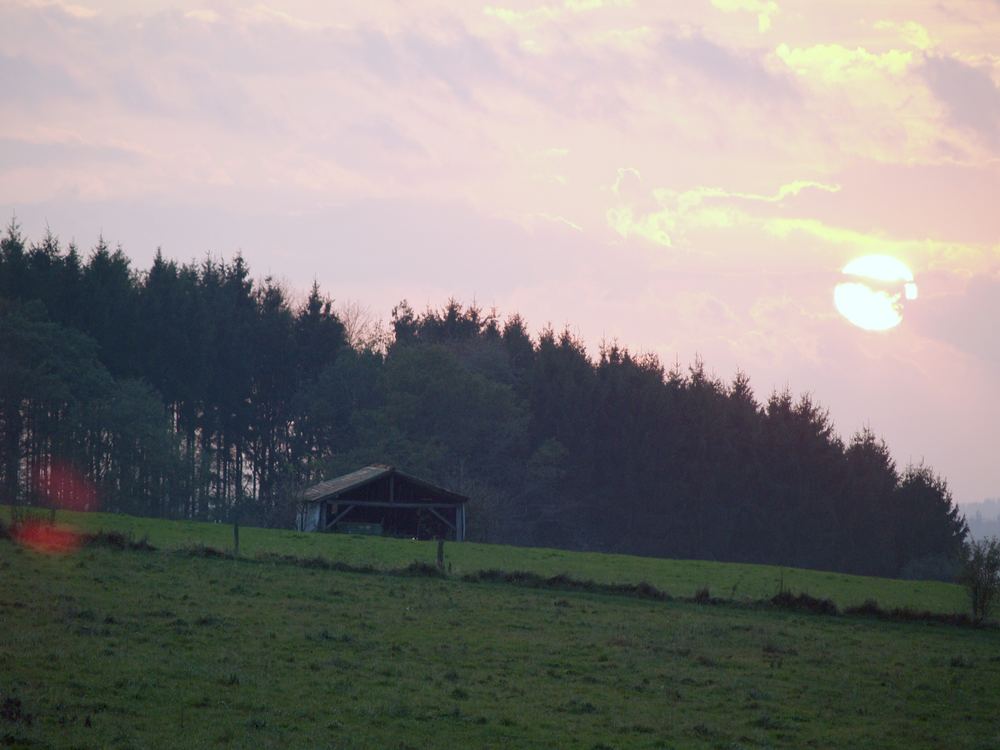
(261, 13)
(558, 220)
(638, 213)
(461, 60)
(969, 93)
(32, 82)
(867, 104)
(743, 72)
(530, 17)
(926, 253)
(746, 232)
(764, 9)
(18, 153)
(548, 13)
(910, 32)
(375, 142)
(837, 64)
(965, 318)
(205, 15)
(698, 195)
(79, 11)
(664, 214)
(52, 8)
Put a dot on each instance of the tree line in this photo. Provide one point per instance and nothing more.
(194, 391)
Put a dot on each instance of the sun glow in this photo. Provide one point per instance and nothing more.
(873, 295)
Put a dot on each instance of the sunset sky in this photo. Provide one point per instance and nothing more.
(687, 178)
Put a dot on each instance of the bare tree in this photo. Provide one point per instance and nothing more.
(362, 328)
(981, 575)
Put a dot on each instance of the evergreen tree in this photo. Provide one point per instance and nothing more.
(193, 390)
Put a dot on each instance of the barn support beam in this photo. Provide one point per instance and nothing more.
(337, 517)
(445, 521)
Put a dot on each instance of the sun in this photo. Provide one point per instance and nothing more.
(872, 295)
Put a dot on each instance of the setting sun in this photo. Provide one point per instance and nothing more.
(872, 299)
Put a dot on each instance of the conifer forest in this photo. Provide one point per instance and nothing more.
(193, 390)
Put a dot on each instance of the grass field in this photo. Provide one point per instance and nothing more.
(100, 648)
(678, 577)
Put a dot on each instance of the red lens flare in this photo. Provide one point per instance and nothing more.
(51, 540)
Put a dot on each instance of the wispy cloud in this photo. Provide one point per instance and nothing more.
(960, 257)
(911, 32)
(33, 82)
(549, 13)
(20, 153)
(765, 10)
(970, 94)
(743, 72)
(662, 214)
(559, 220)
(837, 64)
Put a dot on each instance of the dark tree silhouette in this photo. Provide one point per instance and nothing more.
(191, 390)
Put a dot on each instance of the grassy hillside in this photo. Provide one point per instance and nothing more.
(678, 577)
(162, 649)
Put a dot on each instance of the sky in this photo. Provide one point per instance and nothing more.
(686, 179)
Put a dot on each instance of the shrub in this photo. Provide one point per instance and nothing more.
(117, 541)
(981, 575)
(870, 608)
(804, 603)
(203, 550)
(418, 568)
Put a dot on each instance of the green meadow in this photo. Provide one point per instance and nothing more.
(680, 578)
(127, 649)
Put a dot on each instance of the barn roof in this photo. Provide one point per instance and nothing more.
(331, 488)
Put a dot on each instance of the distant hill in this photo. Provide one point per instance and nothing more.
(983, 517)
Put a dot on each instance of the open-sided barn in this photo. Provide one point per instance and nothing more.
(381, 499)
